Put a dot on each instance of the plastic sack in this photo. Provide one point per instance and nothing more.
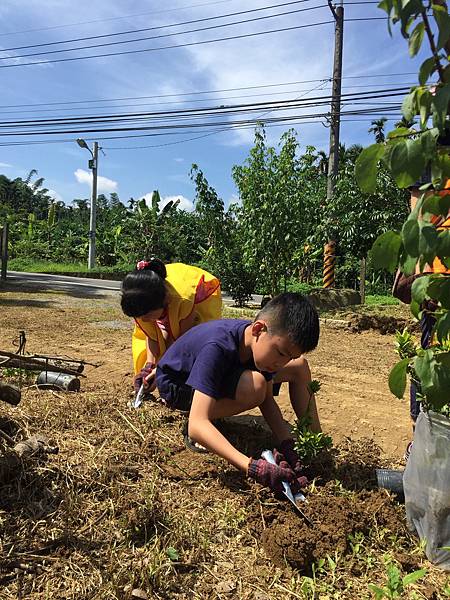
(426, 483)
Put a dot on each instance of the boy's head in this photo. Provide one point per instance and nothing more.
(285, 328)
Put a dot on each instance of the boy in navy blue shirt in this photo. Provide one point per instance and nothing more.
(223, 368)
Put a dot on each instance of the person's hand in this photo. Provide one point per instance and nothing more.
(287, 453)
(270, 475)
(144, 377)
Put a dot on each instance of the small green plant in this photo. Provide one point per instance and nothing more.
(307, 443)
(396, 584)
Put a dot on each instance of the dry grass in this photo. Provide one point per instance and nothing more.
(118, 509)
(124, 506)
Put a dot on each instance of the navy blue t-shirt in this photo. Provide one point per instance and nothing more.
(206, 358)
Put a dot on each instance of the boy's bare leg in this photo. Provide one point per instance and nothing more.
(297, 373)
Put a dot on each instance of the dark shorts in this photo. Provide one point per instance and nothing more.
(178, 396)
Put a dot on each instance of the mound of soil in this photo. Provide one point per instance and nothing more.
(289, 539)
(382, 323)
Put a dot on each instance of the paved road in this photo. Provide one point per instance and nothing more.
(76, 286)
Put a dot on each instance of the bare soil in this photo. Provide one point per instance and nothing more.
(124, 505)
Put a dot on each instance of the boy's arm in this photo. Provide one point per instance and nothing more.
(272, 414)
(202, 430)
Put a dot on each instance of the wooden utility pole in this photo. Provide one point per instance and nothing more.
(335, 121)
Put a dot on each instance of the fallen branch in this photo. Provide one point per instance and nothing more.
(20, 361)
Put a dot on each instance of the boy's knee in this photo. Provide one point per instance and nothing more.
(260, 388)
(252, 388)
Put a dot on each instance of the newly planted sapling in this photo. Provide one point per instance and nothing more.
(307, 443)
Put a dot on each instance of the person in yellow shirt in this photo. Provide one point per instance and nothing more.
(165, 302)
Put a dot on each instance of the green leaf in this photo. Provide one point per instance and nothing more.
(419, 288)
(424, 104)
(428, 143)
(443, 327)
(426, 69)
(399, 132)
(397, 378)
(407, 162)
(440, 105)
(433, 370)
(412, 577)
(409, 105)
(428, 241)
(439, 289)
(385, 251)
(410, 236)
(443, 244)
(366, 167)
(416, 39)
(172, 553)
(443, 22)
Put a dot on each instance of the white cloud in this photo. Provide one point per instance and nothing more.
(5, 165)
(178, 160)
(103, 183)
(57, 197)
(185, 203)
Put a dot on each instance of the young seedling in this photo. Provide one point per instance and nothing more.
(307, 443)
(396, 584)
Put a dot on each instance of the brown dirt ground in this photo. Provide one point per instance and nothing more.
(124, 505)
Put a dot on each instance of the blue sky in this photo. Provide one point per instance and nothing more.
(291, 56)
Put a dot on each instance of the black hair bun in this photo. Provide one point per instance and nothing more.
(157, 266)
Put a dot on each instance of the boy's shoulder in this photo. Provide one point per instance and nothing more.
(218, 331)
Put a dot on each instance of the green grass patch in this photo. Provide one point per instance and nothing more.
(380, 300)
(76, 269)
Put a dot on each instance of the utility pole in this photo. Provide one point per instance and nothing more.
(335, 121)
(93, 165)
(92, 220)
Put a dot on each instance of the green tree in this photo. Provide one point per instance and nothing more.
(272, 187)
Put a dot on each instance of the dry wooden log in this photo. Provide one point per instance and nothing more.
(21, 361)
(10, 393)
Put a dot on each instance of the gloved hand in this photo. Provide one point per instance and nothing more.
(288, 453)
(142, 375)
(270, 475)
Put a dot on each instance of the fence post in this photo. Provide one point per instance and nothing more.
(4, 251)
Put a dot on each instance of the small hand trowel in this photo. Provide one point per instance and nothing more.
(268, 455)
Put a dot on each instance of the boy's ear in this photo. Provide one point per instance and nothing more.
(258, 327)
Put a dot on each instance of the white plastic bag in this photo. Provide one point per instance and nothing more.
(426, 483)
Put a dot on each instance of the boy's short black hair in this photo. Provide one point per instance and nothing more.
(292, 314)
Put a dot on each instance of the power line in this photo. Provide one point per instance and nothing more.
(130, 31)
(182, 126)
(165, 35)
(199, 100)
(189, 44)
(209, 111)
(196, 93)
(157, 12)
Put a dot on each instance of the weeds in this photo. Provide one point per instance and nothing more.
(396, 584)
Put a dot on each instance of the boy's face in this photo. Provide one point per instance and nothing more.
(271, 352)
